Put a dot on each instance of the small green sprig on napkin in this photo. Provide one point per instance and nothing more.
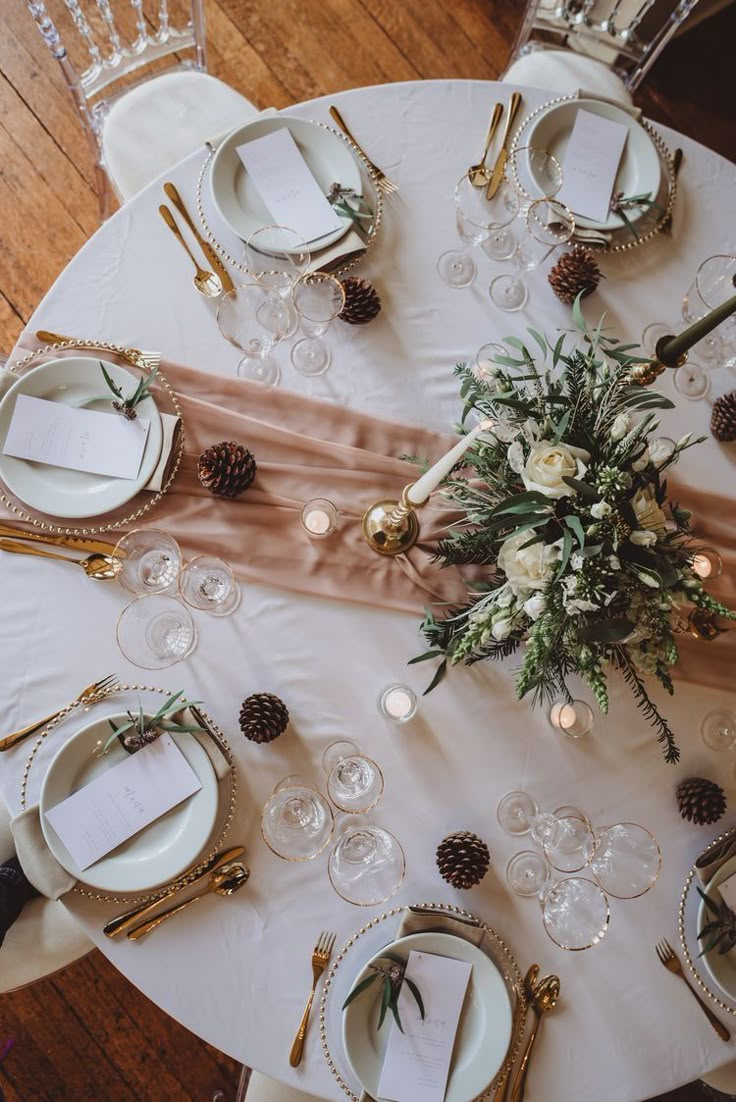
(140, 729)
(720, 932)
(393, 977)
(124, 405)
(620, 203)
(348, 204)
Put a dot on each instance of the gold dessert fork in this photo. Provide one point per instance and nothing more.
(88, 694)
(320, 960)
(671, 961)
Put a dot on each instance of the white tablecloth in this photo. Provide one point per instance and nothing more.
(236, 972)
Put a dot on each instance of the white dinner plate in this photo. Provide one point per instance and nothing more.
(483, 1035)
(239, 204)
(57, 491)
(159, 852)
(639, 171)
(721, 967)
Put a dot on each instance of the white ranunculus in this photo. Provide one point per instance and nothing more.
(534, 606)
(501, 630)
(527, 569)
(647, 511)
(600, 510)
(548, 464)
(515, 456)
(660, 451)
(643, 538)
(620, 426)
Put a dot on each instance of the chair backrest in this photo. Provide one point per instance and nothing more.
(625, 35)
(114, 45)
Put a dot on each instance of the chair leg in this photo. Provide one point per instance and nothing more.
(105, 194)
(243, 1084)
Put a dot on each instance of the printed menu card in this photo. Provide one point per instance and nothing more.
(114, 806)
(417, 1061)
(78, 439)
(590, 165)
(288, 189)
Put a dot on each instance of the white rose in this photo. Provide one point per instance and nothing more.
(620, 426)
(643, 539)
(534, 606)
(549, 463)
(501, 630)
(660, 451)
(529, 569)
(647, 511)
(515, 457)
(600, 510)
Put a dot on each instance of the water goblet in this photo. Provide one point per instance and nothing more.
(297, 821)
(155, 631)
(207, 583)
(354, 782)
(277, 256)
(150, 561)
(479, 221)
(318, 298)
(549, 224)
(534, 174)
(575, 913)
(366, 864)
(254, 318)
(627, 860)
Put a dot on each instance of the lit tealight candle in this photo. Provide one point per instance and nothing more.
(398, 703)
(707, 563)
(574, 720)
(319, 518)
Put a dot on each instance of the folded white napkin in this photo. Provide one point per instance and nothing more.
(37, 860)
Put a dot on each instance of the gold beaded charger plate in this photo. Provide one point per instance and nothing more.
(713, 978)
(106, 517)
(377, 936)
(484, 1030)
(126, 697)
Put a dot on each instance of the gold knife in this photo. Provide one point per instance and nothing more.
(124, 922)
(209, 251)
(500, 165)
(75, 543)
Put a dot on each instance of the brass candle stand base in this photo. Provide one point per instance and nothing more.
(391, 527)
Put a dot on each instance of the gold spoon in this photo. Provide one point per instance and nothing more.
(479, 175)
(544, 998)
(502, 1090)
(225, 881)
(95, 566)
(207, 283)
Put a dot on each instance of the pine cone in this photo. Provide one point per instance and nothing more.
(226, 469)
(361, 301)
(701, 801)
(723, 417)
(263, 717)
(576, 272)
(463, 859)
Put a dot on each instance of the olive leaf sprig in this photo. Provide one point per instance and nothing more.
(720, 932)
(139, 730)
(620, 203)
(124, 405)
(392, 977)
(346, 202)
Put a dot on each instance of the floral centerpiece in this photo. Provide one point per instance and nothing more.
(565, 501)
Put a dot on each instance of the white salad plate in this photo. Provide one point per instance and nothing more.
(721, 967)
(162, 850)
(639, 172)
(483, 1035)
(58, 491)
(239, 204)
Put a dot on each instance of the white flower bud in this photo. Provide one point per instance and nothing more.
(620, 426)
(643, 539)
(600, 510)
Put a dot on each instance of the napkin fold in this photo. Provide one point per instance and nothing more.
(15, 891)
(36, 859)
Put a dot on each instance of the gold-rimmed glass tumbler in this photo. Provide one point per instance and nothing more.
(297, 821)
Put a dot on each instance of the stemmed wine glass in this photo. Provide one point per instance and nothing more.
(297, 821)
(254, 318)
(713, 284)
(366, 864)
(277, 257)
(718, 730)
(319, 298)
(354, 782)
(548, 225)
(480, 221)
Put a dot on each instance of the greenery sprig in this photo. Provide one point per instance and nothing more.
(392, 977)
(621, 203)
(127, 406)
(720, 932)
(141, 729)
(348, 204)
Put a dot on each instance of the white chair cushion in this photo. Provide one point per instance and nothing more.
(564, 72)
(43, 939)
(722, 1079)
(160, 121)
(262, 1089)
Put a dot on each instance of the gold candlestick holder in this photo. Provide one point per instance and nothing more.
(391, 527)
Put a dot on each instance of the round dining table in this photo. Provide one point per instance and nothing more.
(237, 971)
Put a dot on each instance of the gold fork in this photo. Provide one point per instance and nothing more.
(671, 961)
(388, 187)
(87, 695)
(137, 357)
(320, 960)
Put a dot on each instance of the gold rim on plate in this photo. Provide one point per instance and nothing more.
(730, 1008)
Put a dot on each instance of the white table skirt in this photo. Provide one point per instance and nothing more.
(236, 972)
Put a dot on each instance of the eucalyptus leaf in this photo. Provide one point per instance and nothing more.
(385, 999)
(415, 992)
(606, 631)
(423, 657)
(360, 988)
(583, 488)
(573, 522)
(439, 674)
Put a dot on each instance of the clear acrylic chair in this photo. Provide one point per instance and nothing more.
(602, 46)
(142, 107)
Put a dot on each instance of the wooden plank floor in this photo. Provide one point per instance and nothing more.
(87, 1034)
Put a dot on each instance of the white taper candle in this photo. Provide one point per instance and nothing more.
(422, 488)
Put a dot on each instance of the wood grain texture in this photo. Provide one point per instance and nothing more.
(87, 1034)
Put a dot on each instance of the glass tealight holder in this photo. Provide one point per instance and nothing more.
(208, 583)
(574, 719)
(319, 518)
(707, 563)
(398, 703)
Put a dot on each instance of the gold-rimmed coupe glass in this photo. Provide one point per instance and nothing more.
(354, 781)
(297, 821)
(366, 864)
(534, 174)
(575, 913)
(156, 631)
(627, 860)
(150, 561)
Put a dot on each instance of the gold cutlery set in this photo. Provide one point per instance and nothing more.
(480, 175)
(541, 996)
(210, 283)
(100, 565)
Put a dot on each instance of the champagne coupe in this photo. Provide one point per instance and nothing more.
(254, 318)
(354, 782)
(366, 864)
(549, 224)
(575, 913)
(297, 821)
(479, 221)
(155, 631)
(150, 561)
(277, 257)
(534, 174)
(319, 298)
(519, 814)
(627, 860)
(208, 583)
